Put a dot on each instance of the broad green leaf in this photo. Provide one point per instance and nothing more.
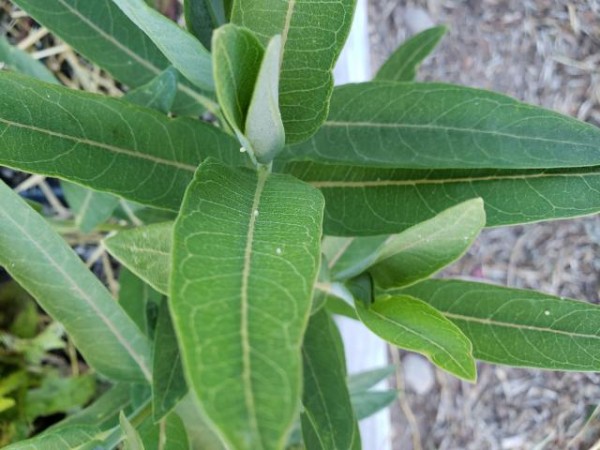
(146, 252)
(104, 143)
(402, 65)
(17, 60)
(367, 403)
(246, 255)
(102, 33)
(428, 247)
(91, 208)
(202, 17)
(77, 437)
(306, 80)
(182, 49)
(132, 439)
(200, 434)
(40, 261)
(168, 434)
(168, 386)
(138, 300)
(59, 395)
(264, 128)
(237, 58)
(518, 327)
(159, 93)
(412, 324)
(363, 381)
(368, 201)
(104, 412)
(438, 126)
(328, 421)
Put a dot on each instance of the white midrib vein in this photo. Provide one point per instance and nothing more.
(87, 299)
(244, 332)
(110, 148)
(425, 181)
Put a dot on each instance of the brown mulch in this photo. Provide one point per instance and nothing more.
(546, 52)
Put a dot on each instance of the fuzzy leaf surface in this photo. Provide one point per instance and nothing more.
(246, 254)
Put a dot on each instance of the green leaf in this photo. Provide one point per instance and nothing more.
(367, 201)
(246, 255)
(138, 299)
(59, 395)
(402, 65)
(132, 440)
(78, 437)
(104, 143)
(104, 412)
(91, 208)
(159, 93)
(363, 381)
(412, 324)
(518, 327)
(349, 257)
(17, 60)
(202, 17)
(168, 434)
(200, 434)
(328, 421)
(6, 403)
(438, 126)
(168, 386)
(264, 128)
(428, 247)
(146, 252)
(102, 33)
(182, 49)
(306, 81)
(237, 57)
(367, 403)
(40, 261)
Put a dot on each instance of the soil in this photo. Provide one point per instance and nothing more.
(545, 52)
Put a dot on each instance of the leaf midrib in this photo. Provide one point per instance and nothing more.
(244, 319)
(445, 128)
(102, 145)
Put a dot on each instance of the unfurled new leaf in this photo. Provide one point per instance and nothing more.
(412, 324)
(313, 34)
(368, 201)
(104, 143)
(402, 65)
(439, 126)
(246, 255)
(41, 261)
(518, 327)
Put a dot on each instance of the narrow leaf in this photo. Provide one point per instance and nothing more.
(390, 201)
(91, 208)
(203, 17)
(328, 421)
(132, 439)
(402, 65)
(367, 403)
(264, 128)
(182, 49)
(306, 80)
(412, 324)
(518, 327)
(363, 381)
(36, 257)
(428, 247)
(17, 60)
(104, 143)
(437, 126)
(352, 255)
(102, 33)
(237, 57)
(159, 93)
(138, 299)
(146, 251)
(169, 384)
(168, 434)
(79, 437)
(246, 256)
